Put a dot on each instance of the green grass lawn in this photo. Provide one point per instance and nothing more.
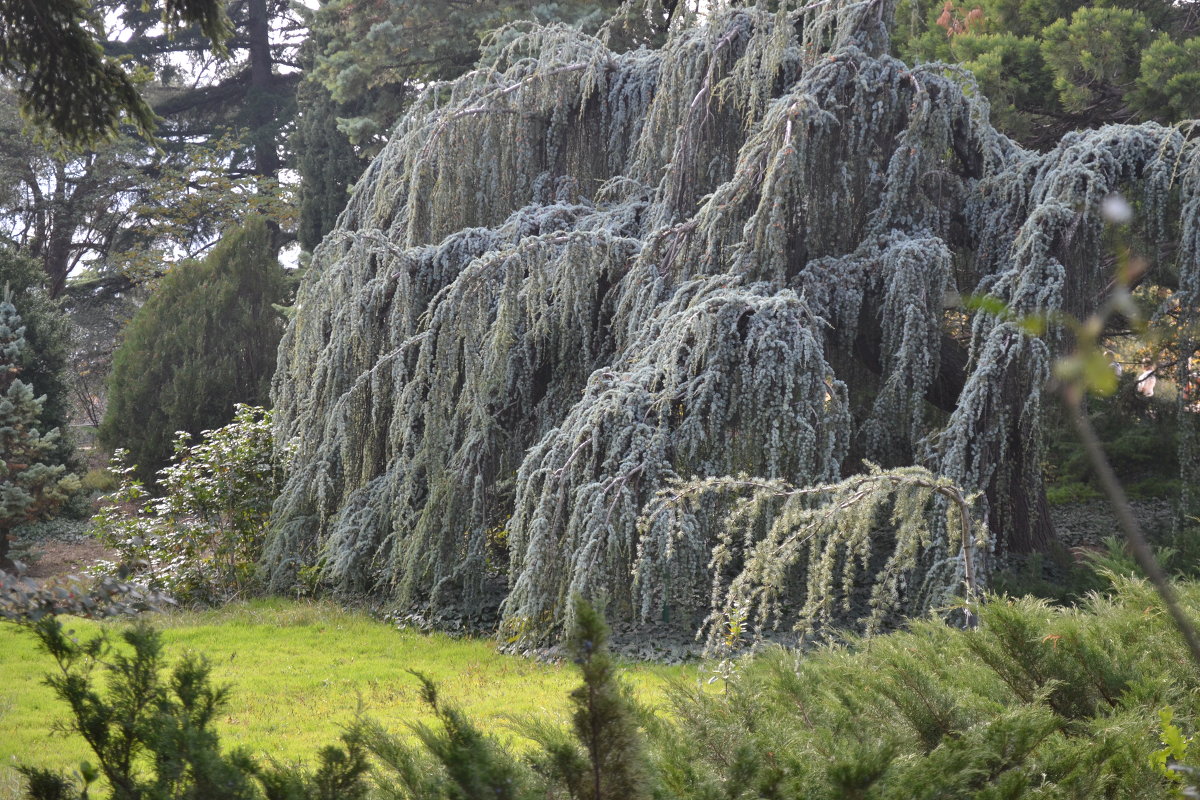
(299, 670)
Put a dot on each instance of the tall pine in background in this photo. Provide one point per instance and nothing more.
(205, 340)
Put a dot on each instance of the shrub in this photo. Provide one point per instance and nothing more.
(201, 539)
(23, 600)
(204, 341)
(1036, 702)
(151, 733)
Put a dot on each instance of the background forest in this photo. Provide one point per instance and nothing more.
(732, 323)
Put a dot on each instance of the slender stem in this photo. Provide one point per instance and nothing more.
(1133, 532)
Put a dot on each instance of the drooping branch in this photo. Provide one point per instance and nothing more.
(575, 275)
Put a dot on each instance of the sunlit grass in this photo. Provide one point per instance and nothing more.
(299, 671)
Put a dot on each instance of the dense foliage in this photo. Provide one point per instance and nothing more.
(32, 484)
(45, 360)
(1049, 68)
(366, 63)
(1037, 702)
(64, 77)
(574, 276)
(201, 539)
(204, 341)
(379, 56)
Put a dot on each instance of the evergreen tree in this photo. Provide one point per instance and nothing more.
(576, 276)
(45, 361)
(1048, 68)
(608, 762)
(204, 341)
(325, 158)
(32, 486)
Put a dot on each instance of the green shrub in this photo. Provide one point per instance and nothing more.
(151, 731)
(600, 757)
(1037, 701)
(205, 340)
(201, 539)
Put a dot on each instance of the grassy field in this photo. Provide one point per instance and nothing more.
(299, 670)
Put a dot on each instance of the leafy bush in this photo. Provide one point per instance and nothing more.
(201, 539)
(28, 601)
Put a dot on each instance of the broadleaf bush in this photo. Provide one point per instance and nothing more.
(199, 540)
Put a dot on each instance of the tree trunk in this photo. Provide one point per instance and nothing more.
(258, 31)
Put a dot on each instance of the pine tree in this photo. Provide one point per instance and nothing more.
(611, 763)
(325, 159)
(30, 488)
(204, 341)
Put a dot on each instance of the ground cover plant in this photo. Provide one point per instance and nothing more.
(298, 670)
(1038, 701)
